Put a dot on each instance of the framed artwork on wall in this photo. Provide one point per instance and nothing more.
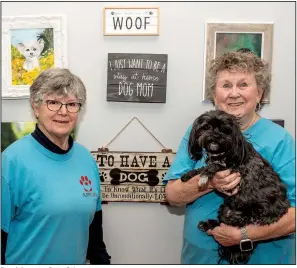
(224, 37)
(13, 131)
(30, 45)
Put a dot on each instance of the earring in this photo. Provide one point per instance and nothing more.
(258, 106)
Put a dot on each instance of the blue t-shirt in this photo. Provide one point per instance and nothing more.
(277, 146)
(47, 206)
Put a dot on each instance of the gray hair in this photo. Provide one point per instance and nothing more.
(58, 81)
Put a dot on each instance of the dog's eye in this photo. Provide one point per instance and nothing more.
(206, 127)
(34, 49)
(227, 130)
(27, 49)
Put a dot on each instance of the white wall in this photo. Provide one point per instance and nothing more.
(151, 233)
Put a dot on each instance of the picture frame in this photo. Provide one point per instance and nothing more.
(30, 44)
(224, 37)
(131, 21)
(14, 130)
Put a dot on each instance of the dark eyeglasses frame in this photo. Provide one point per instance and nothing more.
(61, 104)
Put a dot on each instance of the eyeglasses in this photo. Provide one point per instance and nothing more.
(72, 107)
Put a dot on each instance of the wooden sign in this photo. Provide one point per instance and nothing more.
(133, 176)
(131, 21)
(137, 77)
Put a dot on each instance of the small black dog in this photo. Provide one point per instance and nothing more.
(262, 197)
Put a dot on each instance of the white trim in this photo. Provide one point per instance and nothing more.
(57, 22)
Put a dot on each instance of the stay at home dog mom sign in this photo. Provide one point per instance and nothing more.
(131, 21)
(137, 77)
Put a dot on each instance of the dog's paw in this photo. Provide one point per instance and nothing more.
(203, 226)
(212, 224)
(203, 182)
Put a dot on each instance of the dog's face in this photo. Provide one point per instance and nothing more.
(31, 49)
(215, 132)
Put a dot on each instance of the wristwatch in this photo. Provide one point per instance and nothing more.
(245, 244)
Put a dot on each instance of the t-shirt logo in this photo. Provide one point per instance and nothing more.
(86, 183)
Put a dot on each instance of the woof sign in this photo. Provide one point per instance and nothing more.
(131, 21)
(132, 176)
(137, 77)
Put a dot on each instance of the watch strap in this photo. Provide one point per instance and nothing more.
(243, 233)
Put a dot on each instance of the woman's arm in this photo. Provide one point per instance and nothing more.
(97, 253)
(285, 226)
(180, 193)
(4, 237)
(228, 235)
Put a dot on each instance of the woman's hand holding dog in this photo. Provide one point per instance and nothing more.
(226, 182)
(226, 235)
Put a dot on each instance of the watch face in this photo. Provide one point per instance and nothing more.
(246, 245)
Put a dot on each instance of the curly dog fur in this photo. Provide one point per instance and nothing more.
(262, 197)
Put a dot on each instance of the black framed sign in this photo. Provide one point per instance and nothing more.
(137, 77)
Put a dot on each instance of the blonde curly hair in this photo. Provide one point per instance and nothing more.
(239, 61)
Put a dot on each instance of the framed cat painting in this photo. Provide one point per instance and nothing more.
(30, 45)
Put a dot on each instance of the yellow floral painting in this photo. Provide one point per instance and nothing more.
(32, 51)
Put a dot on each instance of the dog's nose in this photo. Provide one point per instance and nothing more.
(31, 53)
(214, 146)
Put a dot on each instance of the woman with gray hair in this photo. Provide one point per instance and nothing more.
(238, 82)
(51, 204)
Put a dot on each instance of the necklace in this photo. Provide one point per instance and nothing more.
(251, 122)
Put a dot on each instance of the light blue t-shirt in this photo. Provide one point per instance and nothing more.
(277, 146)
(47, 207)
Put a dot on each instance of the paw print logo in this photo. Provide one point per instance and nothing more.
(103, 176)
(163, 175)
(112, 13)
(86, 183)
(151, 13)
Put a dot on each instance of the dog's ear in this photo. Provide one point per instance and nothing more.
(40, 42)
(194, 149)
(241, 148)
(21, 47)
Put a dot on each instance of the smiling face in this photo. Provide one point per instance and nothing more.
(236, 93)
(56, 125)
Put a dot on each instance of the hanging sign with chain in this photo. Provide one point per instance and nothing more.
(133, 176)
